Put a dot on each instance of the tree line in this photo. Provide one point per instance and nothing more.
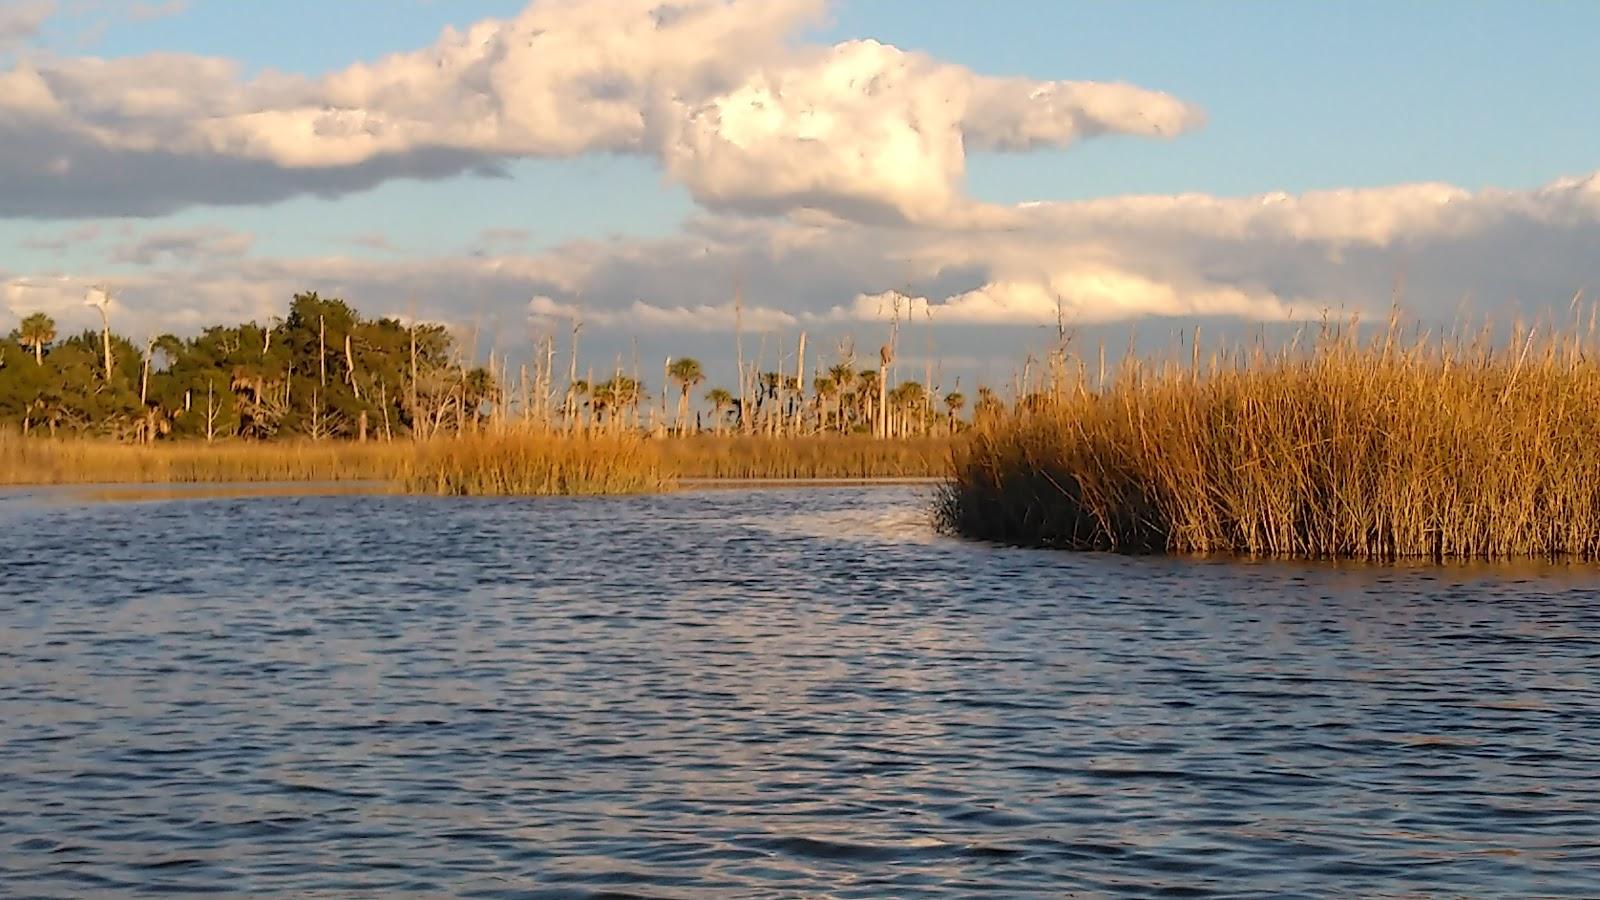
(325, 372)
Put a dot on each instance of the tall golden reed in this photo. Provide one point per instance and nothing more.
(1453, 449)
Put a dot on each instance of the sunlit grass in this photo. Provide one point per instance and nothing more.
(536, 465)
(512, 463)
(855, 457)
(1429, 449)
(82, 461)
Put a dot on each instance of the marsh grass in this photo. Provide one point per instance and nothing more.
(34, 461)
(808, 458)
(536, 465)
(1382, 450)
(512, 463)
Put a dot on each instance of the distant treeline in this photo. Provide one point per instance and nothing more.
(325, 372)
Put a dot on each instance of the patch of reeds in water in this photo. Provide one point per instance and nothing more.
(1376, 451)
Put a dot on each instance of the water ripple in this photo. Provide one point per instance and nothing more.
(768, 694)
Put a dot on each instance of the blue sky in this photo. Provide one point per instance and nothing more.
(1359, 99)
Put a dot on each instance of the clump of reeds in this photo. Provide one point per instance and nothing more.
(811, 457)
(1380, 450)
(536, 464)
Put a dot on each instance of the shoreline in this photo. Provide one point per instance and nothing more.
(149, 491)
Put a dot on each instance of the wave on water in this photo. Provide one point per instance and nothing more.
(900, 519)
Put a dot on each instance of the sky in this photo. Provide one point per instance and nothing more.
(508, 166)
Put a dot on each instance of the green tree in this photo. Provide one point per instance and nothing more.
(907, 402)
(37, 332)
(990, 407)
(720, 399)
(954, 403)
(826, 390)
(689, 375)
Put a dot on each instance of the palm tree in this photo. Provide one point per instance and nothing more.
(825, 388)
(867, 396)
(989, 407)
(844, 379)
(616, 396)
(902, 402)
(843, 374)
(954, 402)
(720, 399)
(36, 331)
(576, 391)
(688, 374)
(767, 386)
(603, 402)
(629, 392)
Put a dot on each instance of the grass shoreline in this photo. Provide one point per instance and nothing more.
(514, 464)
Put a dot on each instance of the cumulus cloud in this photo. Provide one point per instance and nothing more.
(718, 90)
(148, 135)
(1264, 258)
(1091, 295)
(866, 130)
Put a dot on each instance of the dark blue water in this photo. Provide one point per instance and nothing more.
(786, 693)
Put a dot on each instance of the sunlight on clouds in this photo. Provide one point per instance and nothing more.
(1078, 297)
(717, 90)
(705, 317)
(826, 174)
(1267, 258)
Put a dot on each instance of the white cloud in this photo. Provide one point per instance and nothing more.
(1090, 295)
(640, 316)
(717, 90)
(1252, 259)
(868, 131)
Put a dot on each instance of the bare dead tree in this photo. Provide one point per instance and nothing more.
(212, 411)
(100, 298)
(800, 385)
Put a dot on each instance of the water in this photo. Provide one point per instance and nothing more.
(785, 693)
